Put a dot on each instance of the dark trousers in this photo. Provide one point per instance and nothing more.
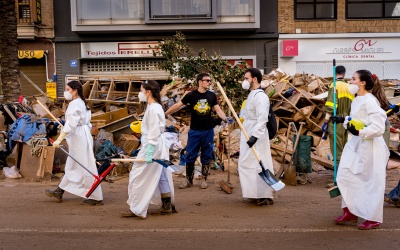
(199, 140)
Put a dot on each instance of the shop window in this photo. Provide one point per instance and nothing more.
(177, 11)
(236, 10)
(110, 11)
(366, 9)
(315, 9)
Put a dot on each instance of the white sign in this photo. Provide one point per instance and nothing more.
(349, 49)
(117, 49)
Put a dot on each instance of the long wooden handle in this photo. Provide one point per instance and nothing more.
(237, 118)
(48, 112)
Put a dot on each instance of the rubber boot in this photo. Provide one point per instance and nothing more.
(205, 168)
(189, 176)
(166, 207)
(346, 217)
(56, 194)
(368, 225)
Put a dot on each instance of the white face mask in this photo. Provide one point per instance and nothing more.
(67, 95)
(142, 97)
(353, 89)
(245, 84)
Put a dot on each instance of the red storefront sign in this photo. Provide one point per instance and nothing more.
(290, 48)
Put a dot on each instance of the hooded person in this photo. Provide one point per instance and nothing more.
(255, 114)
(361, 175)
(149, 182)
(76, 131)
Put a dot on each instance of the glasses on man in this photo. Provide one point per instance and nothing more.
(206, 80)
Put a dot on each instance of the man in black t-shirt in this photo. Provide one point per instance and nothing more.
(201, 133)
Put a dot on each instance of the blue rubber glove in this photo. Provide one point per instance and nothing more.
(229, 120)
(325, 127)
(149, 153)
(394, 109)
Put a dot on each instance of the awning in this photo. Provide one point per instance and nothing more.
(29, 54)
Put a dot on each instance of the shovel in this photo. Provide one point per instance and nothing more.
(266, 175)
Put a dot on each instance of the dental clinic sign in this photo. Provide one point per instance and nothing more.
(117, 49)
(362, 48)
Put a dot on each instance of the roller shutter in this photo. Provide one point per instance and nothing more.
(142, 67)
(35, 69)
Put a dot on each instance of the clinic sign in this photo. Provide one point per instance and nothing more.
(362, 48)
(117, 49)
(351, 49)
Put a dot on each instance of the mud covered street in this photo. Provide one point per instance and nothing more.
(301, 218)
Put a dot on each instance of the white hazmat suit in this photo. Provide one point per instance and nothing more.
(255, 116)
(362, 171)
(76, 179)
(144, 178)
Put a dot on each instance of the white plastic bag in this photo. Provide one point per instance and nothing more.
(11, 172)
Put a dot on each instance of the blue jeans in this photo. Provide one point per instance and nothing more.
(200, 140)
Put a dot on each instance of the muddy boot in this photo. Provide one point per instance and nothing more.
(205, 169)
(203, 183)
(128, 213)
(92, 202)
(56, 194)
(189, 176)
(166, 207)
(265, 202)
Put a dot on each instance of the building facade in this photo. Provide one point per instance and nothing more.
(358, 34)
(35, 43)
(112, 37)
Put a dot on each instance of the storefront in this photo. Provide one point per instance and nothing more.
(33, 64)
(314, 53)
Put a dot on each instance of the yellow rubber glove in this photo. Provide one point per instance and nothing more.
(60, 138)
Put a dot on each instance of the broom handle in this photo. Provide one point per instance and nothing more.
(237, 119)
(95, 176)
(48, 112)
(334, 124)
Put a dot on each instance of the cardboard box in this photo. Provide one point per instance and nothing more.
(38, 168)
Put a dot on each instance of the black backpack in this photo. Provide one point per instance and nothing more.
(271, 123)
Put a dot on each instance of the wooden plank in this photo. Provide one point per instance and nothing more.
(112, 115)
(317, 159)
(119, 126)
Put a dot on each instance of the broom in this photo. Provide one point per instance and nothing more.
(334, 191)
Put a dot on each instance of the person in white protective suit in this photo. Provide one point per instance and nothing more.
(362, 171)
(150, 182)
(76, 131)
(255, 114)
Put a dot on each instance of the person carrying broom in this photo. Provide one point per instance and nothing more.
(76, 131)
(362, 172)
(255, 113)
(149, 182)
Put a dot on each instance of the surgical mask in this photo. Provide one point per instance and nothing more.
(245, 84)
(67, 95)
(142, 97)
(353, 89)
